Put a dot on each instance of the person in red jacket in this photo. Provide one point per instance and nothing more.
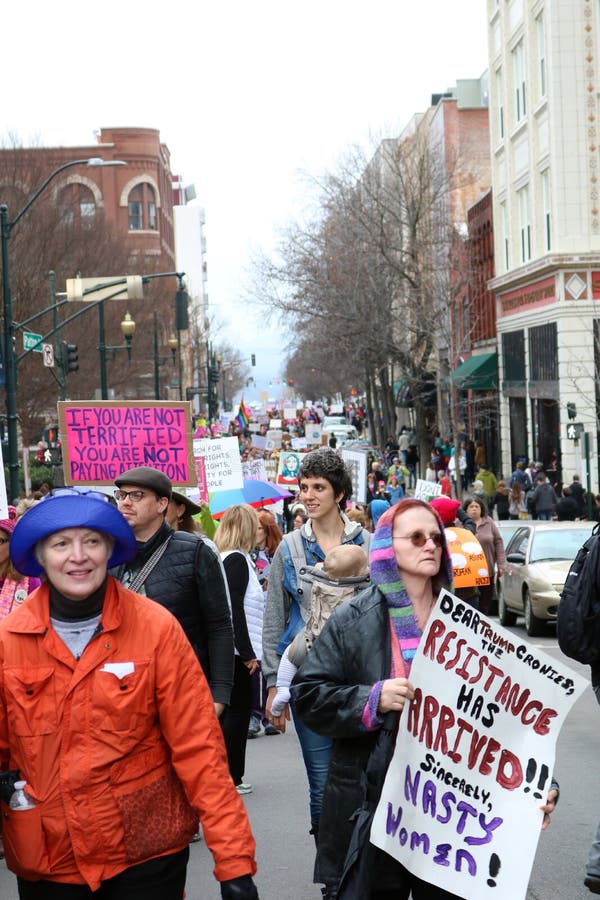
(106, 714)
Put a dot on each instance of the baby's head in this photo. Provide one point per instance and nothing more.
(346, 561)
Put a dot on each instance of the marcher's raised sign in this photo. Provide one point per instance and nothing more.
(102, 440)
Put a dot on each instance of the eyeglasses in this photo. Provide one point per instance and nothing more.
(134, 496)
(419, 538)
(79, 492)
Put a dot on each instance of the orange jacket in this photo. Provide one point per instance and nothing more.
(111, 754)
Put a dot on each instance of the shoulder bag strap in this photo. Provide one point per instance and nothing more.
(141, 576)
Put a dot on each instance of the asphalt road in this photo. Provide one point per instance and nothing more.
(278, 810)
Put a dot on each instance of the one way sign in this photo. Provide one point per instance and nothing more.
(574, 430)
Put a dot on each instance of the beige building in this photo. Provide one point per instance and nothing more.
(544, 72)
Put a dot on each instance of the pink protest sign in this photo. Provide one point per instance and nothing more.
(102, 440)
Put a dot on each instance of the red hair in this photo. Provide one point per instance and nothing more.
(273, 535)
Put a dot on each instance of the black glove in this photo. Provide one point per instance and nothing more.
(242, 888)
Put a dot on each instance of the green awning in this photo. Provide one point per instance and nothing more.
(479, 373)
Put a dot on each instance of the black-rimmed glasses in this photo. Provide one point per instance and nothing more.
(134, 496)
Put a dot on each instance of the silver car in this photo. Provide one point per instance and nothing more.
(538, 558)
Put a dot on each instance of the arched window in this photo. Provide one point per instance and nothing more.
(141, 203)
(77, 204)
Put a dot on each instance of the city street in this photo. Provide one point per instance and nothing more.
(278, 810)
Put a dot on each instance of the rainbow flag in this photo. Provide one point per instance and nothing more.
(243, 416)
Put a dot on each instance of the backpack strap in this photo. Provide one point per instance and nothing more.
(139, 579)
(295, 545)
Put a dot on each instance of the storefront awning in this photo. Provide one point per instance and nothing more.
(479, 373)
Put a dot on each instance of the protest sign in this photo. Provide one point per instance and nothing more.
(313, 433)
(357, 464)
(253, 427)
(289, 412)
(259, 441)
(274, 437)
(100, 440)
(287, 472)
(427, 490)
(254, 470)
(222, 463)
(474, 756)
(3, 495)
(275, 423)
(299, 443)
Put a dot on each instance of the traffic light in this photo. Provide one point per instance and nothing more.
(213, 374)
(571, 410)
(253, 359)
(70, 358)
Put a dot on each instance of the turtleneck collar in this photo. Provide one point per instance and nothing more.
(67, 610)
(145, 549)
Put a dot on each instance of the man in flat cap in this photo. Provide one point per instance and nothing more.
(181, 572)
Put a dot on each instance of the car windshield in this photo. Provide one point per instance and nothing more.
(560, 543)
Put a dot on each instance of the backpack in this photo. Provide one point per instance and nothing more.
(578, 623)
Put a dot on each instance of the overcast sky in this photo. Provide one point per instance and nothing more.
(246, 96)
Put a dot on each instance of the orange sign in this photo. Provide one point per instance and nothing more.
(468, 559)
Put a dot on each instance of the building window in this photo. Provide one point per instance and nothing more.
(541, 48)
(76, 205)
(505, 236)
(546, 211)
(519, 76)
(500, 102)
(142, 208)
(524, 224)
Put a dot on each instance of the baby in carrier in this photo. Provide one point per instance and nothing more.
(344, 572)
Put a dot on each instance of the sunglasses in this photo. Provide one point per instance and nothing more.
(79, 492)
(419, 538)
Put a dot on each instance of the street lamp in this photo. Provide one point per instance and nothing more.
(10, 365)
(159, 360)
(128, 330)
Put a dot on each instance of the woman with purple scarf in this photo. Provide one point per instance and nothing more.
(358, 671)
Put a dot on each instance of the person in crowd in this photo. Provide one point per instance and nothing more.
(544, 498)
(596, 508)
(470, 458)
(567, 508)
(300, 517)
(457, 466)
(477, 490)
(357, 514)
(579, 495)
(375, 509)
(371, 486)
(268, 539)
(521, 477)
(23, 504)
(14, 586)
(181, 571)
(453, 516)
(395, 468)
(124, 752)
(479, 458)
(359, 669)
(501, 501)
(325, 486)
(517, 507)
(488, 480)
(345, 571)
(395, 490)
(431, 472)
(403, 443)
(444, 483)
(180, 513)
(412, 461)
(382, 492)
(236, 537)
(489, 537)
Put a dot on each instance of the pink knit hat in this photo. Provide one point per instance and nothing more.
(8, 525)
(445, 508)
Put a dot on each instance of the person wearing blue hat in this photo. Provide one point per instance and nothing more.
(107, 716)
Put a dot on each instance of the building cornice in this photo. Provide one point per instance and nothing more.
(544, 266)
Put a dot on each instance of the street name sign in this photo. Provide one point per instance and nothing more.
(30, 340)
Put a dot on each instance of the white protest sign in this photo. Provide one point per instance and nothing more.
(275, 423)
(259, 441)
(289, 412)
(357, 464)
(474, 756)
(222, 463)
(426, 490)
(336, 409)
(254, 470)
(313, 433)
(273, 439)
(253, 427)
(3, 495)
(299, 443)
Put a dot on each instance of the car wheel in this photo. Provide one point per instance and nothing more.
(533, 625)
(505, 615)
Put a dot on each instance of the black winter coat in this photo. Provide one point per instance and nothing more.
(188, 580)
(330, 691)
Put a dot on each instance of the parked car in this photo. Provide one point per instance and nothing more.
(507, 528)
(343, 434)
(538, 557)
(333, 422)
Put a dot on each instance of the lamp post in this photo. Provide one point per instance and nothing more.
(128, 329)
(10, 365)
(159, 360)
